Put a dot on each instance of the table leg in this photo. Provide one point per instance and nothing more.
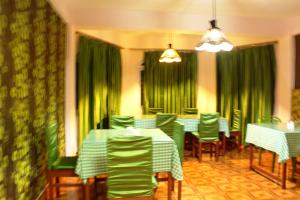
(179, 189)
(87, 190)
(224, 143)
(284, 176)
(169, 186)
(251, 156)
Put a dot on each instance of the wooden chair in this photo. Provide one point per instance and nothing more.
(120, 121)
(129, 167)
(165, 121)
(235, 130)
(208, 133)
(190, 111)
(178, 137)
(58, 166)
(155, 110)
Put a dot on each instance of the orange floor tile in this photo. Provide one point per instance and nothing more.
(227, 179)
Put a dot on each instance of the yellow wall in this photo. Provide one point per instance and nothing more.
(133, 58)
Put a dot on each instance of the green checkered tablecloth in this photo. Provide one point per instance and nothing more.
(93, 155)
(275, 138)
(190, 123)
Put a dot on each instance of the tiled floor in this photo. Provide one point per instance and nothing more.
(229, 178)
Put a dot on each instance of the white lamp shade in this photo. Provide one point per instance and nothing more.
(213, 41)
(170, 55)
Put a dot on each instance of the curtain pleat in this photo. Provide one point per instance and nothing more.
(98, 84)
(171, 86)
(246, 81)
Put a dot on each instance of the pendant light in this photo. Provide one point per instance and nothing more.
(214, 39)
(170, 55)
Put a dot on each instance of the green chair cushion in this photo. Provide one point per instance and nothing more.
(165, 122)
(65, 163)
(51, 142)
(206, 139)
(154, 182)
(209, 139)
(129, 166)
(196, 134)
(120, 122)
(190, 110)
(178, 137)
(236, 121)
(155, 110)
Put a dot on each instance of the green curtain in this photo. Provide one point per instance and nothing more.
(171, 86)
(246, 81)
(98, 84)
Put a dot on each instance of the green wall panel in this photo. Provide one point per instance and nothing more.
(32, 50)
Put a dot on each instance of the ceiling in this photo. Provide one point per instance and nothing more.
(249, 18)
(284, 9)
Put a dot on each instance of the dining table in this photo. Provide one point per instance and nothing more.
(190, 123)
(277, 138)
(92, 158)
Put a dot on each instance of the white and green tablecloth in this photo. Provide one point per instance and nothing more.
(93, 155)
(190, 123)
(275, 138)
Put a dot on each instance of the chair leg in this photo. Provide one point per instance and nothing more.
(57, 186)
(260, 155)
(217, 151)
(239, 138)
(294, 167)
(273, 161)
(211, 149)
(200, 151)
(50, 186)
(223, 143)
(179, 189)
(193, 148)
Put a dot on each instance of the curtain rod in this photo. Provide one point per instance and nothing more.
(98, 39)
(256, 44)
(188, 50)
(159, 49)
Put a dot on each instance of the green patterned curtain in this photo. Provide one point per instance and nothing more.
(246, 81)
(98, 84)
(32, 57)
(171, 86)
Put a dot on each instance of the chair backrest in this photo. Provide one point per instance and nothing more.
(120, 122)
(52, 144)
(237, 120)
(129, 166)
(269, 119)
(190, 111)
(178, 137)
(165, 121)
(209, 125)
(155, 110)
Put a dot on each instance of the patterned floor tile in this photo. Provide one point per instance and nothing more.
(262, 195)
(227, 179)
(284, 193)
(238, 196)
(215, 197)
(228, 187)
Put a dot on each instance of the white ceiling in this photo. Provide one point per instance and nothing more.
(284, 9)
(257, 18)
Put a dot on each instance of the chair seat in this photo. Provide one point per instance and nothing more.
(154, 183)
(196, 134)
(206, 139)
(65, 163)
